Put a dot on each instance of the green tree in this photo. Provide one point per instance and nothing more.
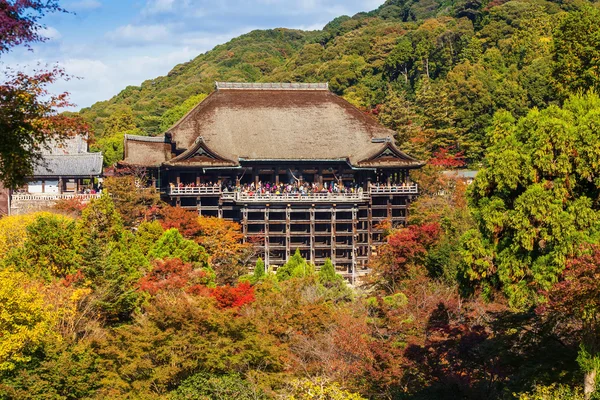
(398, 113)
(147, 234)
(203, 386)
(50, 249)
(99, 226)
(295, 267)
(327, 274)
(576, 44)
(437, 111)
(534, 199)
(259, 271)
(116, 284)
(172, 115)
(172, 245)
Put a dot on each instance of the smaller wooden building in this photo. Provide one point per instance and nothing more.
(66, 170)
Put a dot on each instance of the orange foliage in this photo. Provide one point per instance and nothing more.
(172, 274)
(223, 241)
(72, 206)
(233, 296)
(186, 222)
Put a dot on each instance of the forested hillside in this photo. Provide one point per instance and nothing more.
(434, 72)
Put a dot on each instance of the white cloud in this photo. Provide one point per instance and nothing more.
(158, 6)
(127, 50)
(50, 33)
(139, 34)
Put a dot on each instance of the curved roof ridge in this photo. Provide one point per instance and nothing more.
(140, 138)
(271, 86)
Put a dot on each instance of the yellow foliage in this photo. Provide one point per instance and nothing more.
(13, 230)
(25, 320)
(320, 389)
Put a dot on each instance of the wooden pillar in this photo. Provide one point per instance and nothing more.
(245, 223)
(333, 233)
(197, 179)
(199, 205)
(312, 233)
(354, 240)
(178, 178)
(267, 241)
(60, 185)
(370, 228)
(288, 232)
(277, 175)
(389, 207)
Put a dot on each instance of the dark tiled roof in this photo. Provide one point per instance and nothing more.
(76, 165)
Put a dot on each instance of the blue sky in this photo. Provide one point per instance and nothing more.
(110, 44)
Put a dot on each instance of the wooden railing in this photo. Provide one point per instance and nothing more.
(297, 197)
(53, 196)
(308, 197)
(400, 189)
(180, 191)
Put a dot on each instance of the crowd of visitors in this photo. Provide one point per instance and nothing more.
(269, 188)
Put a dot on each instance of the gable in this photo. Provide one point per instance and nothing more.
(200, 154)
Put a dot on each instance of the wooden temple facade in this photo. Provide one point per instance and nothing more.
(297, 166)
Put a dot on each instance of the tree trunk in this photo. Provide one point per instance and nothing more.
(589, 383)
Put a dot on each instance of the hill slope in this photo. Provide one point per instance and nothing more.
(434, 71)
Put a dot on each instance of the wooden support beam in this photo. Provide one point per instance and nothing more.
(370, 228)
(333, 234)
(267, 239)
(312, 233)
(354, 240)
(245, 223)
(288, 232)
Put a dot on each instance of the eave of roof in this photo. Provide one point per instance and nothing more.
(76, 165)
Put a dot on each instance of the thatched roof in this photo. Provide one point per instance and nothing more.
(146, 150)
(257, 122)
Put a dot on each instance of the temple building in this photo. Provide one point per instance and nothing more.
(66, 170)
(297, 166)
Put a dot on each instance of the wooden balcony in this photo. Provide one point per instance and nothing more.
(195, 191)
(395, 189)
(326, 197)
(17, 197)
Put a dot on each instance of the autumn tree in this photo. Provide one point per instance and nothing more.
(134, 201)
(25, 321)
(575, 298)
(405, 250)
(534, 202)
(185, 221)
(29, 118)
(223, 241)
